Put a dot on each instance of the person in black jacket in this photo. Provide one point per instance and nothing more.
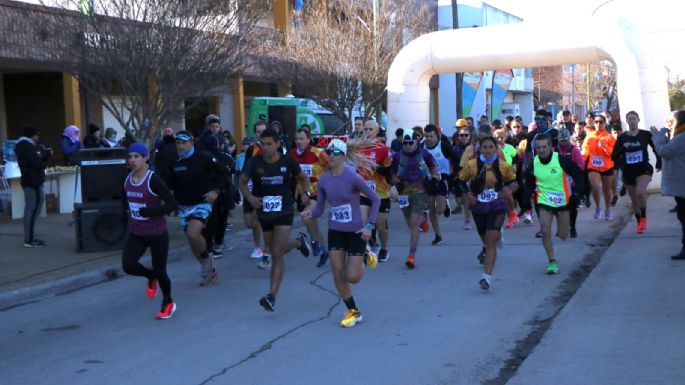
(94, 138)
(165, 154)
(31, 159)
(196, 182)
(216, 224)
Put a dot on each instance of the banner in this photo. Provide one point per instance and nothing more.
(471, 82)
(501, 80)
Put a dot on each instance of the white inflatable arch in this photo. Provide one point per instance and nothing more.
(641, 77)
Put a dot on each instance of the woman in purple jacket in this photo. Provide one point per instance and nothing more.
(347, 234)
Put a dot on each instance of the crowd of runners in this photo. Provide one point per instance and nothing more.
(496, 175)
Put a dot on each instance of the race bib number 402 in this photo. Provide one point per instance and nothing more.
(272, 204)
(342, 213)
(487, 196)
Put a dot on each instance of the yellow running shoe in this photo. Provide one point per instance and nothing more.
(370, 258)
(351, 318)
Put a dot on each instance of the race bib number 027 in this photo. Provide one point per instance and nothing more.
(272, 204)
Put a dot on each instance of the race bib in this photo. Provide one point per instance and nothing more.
(598, 161)
(249, 185)
(272, 204)
(307, 169)
(487, 196)
(634, 157)
(556, 199)
(403, 201)
(135, 210)
(371, 184)
(342, 213)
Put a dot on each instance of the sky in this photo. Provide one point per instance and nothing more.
(660, 19)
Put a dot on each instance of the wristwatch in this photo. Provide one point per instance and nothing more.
(370, 226)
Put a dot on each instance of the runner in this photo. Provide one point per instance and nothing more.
(347, 233)
(146, 201)
(437, 189)
(314, 162)
(196, 179)
(377, 180)
(597, 149)
(471, 152)
(486, 182)
(567, 150)
(512, 159)
(631, 152)
(410, 168)
(249, 213)
(272, 175)
(553, 176)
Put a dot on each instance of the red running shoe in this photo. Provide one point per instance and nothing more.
(152, 288)
(424, 227)
(411, 262)
(642, 225)
(167, 312)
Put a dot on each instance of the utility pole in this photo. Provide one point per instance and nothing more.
(459, 76)
(588, 87)
(573, 88)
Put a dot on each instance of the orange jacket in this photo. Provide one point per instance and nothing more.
(597, 149)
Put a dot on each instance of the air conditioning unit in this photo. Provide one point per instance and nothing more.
(512, 109)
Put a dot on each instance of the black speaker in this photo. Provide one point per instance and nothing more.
(99, 226)
(103, 171)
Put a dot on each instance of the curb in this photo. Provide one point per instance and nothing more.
(64, 285)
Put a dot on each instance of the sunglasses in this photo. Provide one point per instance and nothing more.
(408, 142)
(464, 135)
(516, 127)
(600, 122)
(335, 152)
(540, 118)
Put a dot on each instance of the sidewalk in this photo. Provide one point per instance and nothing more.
(29, 274)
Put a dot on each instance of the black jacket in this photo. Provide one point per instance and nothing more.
(31, 162)
(191, 178)
(92, 141)
(165, 157)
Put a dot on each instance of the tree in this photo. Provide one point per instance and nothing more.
(143, 58)
(341, 54)
(676, 94)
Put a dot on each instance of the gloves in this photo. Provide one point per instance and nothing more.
(144, 212)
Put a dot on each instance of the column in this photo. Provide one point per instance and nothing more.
(238, 111)
(72, 101)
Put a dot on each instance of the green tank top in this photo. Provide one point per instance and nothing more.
(509, 153)
(553, 185)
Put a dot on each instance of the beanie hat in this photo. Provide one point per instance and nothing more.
(139, 148)
(30, 131)
(92, 128)
(337, 144)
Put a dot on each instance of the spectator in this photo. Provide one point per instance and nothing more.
(31, 161)
(94, 137)
(110, 139)
(127, 140)
(396, 144)
(70, 144)
(165, 154)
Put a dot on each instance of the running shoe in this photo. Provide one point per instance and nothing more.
(574, 233)
(467, 225)
(448, 210)
(370, 258)
(305, 246)
(484, 283)
(642, 225)
(268, 302)
(481, 256)
(229, 227)
(351, 318)
(217, 252)
(680, 256)
(211, 278)
(424, 227)
(323, 258)
(316, 248)
(598, 211)
(588, 202)
(411, 262)
(528, 217)
(437, 240)
(383, 255)
(622, 192)
(513, 220)
(205, 266)
(151, 288)
(457, 210)
(552, 267)
(539, 234)
(608, 216)
(167, 311)
(257, 253)
(265, 262)
(34, 244)
(614, 200)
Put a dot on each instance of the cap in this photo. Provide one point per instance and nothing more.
(497, 123)
(337, 144)
(211, 118)
(139, 148)
(184, 135)
(564, 134)
(30, 131)
(248, 140)
(168, 131)
(542, 112)
(461, 123)
(566, 113)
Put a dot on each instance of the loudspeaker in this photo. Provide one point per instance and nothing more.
(99, 226)
(103, 171)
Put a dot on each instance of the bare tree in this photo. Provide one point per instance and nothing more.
(143, 58)
(343, 50)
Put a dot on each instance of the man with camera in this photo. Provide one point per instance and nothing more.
(31, 158)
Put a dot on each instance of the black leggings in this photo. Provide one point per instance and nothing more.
(159, 246)
(680, 210)
(573, 210)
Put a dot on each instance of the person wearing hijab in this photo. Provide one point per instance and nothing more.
(70, 144)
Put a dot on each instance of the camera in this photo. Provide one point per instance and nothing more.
(46, 152)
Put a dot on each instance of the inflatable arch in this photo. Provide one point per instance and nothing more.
(641, 77)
